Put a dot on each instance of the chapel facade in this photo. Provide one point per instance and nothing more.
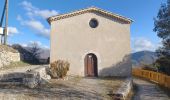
(95, 42)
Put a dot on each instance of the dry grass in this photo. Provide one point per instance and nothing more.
(7, 48)
(14, 65)
(59, 69)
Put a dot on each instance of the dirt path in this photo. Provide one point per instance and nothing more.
(148, 91)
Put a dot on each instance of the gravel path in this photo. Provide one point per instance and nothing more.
(148, 91)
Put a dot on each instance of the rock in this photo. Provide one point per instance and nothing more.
(31, 80)
(39, 76)
(42, 71)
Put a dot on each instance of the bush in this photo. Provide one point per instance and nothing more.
(149, 67)
(59, 69)
(163, 64)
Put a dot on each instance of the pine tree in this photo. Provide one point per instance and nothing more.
(162, 28)
(168, 3)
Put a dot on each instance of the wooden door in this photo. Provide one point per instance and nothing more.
(90, 66)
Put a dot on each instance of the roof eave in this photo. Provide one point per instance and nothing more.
(74, 13)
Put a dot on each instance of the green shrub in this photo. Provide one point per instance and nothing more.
(163, 64)
(59, 69)
(150, 67)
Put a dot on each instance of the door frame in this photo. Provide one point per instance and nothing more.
(91, 63)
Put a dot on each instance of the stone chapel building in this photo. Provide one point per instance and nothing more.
(95, 42)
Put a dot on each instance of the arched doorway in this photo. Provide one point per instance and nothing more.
(90, 65)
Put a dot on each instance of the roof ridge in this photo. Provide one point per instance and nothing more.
(88, 9)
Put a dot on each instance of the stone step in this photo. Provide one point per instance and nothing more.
(10, 83)
(16, 75)
(12, 75)
(29, 79)
(12, 80)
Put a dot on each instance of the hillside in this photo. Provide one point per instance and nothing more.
(143, 57)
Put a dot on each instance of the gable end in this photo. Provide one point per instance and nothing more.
(93, 10)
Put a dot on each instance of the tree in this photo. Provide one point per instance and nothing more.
(162, 28)
(30, 53)
(34, 49)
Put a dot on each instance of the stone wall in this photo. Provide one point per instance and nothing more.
(8, 55)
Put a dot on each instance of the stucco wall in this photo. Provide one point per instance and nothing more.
(72, 39)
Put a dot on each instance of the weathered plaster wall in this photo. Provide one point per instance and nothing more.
(72, 38)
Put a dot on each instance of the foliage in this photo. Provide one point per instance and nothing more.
(149, 67)
(29, 54)
(59, 69)
(34, 49)
(162, 28)
(163, 64)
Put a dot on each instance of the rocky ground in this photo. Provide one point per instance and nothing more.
(74, 88)
(71, 88)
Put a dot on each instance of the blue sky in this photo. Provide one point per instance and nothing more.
(27, 19)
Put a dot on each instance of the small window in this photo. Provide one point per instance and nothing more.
(93, 23)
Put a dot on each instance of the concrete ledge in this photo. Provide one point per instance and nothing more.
(31, 78)
(10, 83)
(124, 90)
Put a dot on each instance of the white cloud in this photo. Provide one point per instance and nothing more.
(12, 30)
(141, 43)
(23, 44)
(46, 13)
(35, 25)
(34, 11)
(33, 22)
(38, 43)
(19, 18)
(38, 27)
(28, 6)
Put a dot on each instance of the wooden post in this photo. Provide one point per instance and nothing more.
(6, 24)
(1, 39)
